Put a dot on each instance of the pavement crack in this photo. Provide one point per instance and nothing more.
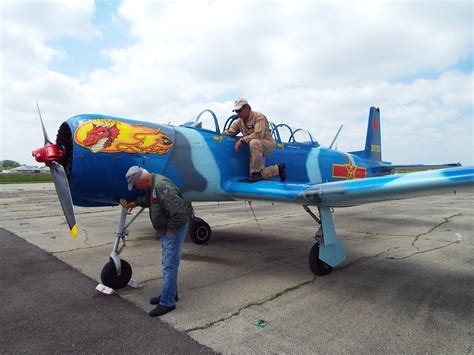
(424, 251)
(369, 234)
(237, 313)
(446, 220)
(86, 238)
(364, 258)
(151, 279)
(82, 248)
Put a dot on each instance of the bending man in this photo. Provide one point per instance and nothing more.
(168, 214)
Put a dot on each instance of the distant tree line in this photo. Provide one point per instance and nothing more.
(9, 164)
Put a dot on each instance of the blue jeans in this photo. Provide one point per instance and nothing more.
(172, 246)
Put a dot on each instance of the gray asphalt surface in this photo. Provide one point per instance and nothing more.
(47, 307)
(406, 287)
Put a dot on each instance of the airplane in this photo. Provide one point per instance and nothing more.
(93, 152)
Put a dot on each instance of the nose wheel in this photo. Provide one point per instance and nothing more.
(117, 273)
(111, 278)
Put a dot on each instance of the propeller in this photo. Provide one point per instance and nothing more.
(45, 135)
(50, 154)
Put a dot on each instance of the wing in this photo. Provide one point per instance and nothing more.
(269, 190)
(359, 191)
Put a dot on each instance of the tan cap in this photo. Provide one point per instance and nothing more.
(239, 103)
(132, 176)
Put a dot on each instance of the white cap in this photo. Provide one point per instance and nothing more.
(132, 175)
(239, 103)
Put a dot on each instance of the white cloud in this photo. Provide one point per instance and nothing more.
(310, 64)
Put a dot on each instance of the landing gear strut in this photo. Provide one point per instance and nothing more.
(117, 273)
(328, 251)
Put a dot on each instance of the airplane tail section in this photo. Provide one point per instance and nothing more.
(373, 145)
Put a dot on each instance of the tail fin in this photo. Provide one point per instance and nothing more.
(373, 145)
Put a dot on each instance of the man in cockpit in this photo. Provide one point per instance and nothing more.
(257, 134)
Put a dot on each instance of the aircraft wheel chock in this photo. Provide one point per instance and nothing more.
(317, 266)
(110, 278)
(200, 231)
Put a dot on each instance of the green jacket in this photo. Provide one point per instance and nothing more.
(166, 205)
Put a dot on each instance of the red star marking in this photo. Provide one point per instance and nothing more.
(375, 123)
(351, 169)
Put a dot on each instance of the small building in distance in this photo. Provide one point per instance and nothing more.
(26, 169)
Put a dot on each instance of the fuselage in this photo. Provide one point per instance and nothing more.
(99, 150)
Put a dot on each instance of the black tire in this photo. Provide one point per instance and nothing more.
(109, 275)
(200, 232)
(317, 266)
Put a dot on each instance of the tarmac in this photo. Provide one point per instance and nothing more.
(407, 285)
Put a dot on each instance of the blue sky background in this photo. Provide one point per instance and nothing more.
(309, 64)
(84, 55)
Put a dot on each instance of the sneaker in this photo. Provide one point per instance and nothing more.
(160, 310)
(281, 171)
(156, 300)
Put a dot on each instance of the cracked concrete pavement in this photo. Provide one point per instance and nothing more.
(406, 287)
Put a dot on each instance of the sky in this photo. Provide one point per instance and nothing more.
(310, 64)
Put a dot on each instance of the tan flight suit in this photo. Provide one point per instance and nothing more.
(258, 135)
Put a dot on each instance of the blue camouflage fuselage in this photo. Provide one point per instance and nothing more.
(203, 164)
(200, 162)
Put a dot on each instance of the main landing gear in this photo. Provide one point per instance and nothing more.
(328, 251)
(117, 273)
(199, 231)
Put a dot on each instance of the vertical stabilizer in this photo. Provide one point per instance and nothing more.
(373, 144)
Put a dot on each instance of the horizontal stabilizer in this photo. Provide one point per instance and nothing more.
(391, 169)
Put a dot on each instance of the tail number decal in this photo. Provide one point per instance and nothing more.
(375, 148)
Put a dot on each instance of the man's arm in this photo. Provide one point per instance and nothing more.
(142, 201)
(233, 130)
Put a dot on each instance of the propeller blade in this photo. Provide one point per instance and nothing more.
(62, 189)
(46, 139)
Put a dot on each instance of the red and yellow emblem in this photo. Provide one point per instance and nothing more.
(111, 136)
(348, 171)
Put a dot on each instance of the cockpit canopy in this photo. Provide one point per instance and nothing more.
(282, 133)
